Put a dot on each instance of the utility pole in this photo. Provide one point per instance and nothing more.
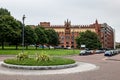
(23, 25)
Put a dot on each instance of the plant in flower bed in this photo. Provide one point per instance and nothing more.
(39, 60)
(22, 56)
(42, 57)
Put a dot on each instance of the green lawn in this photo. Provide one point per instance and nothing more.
(32, 51)
(33, 62)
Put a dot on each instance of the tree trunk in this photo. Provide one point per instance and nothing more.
(2, 45)
(36, 47)
(16, 46)
(26, 46)
(42, 46)
(49, 46)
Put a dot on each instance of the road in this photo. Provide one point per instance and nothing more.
(109, 69)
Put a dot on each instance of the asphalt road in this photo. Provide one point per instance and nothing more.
(109, 70)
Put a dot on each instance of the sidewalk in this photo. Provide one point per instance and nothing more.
(82, 67)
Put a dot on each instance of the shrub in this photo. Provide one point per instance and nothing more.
(42, 57)
(22, 56)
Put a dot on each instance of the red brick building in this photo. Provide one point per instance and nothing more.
(68, 33)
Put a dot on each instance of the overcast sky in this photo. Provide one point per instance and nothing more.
(80, 12)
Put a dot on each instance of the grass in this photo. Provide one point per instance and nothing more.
(33, 62)
(32, 51)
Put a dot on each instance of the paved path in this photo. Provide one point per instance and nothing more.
(109, 70)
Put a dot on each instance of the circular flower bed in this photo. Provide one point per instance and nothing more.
(42, 61)
(33, 62)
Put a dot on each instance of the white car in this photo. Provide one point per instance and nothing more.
(108, 53)
(85, 52)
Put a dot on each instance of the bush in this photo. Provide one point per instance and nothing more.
(42, 57)
(22, 56)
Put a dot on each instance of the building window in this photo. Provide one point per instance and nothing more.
(67, 37)
(67, 42)
(72, 37)
(72, 46)
(72, 42)
(62, 37)
(62, 46)
(67, 46)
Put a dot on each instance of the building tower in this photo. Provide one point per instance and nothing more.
(67, 38)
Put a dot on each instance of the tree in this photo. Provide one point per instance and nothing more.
(4, 12)
(53, 38)
(30, 36)
(15, 35)
(88, 38)
(42, 37)
(9, 28)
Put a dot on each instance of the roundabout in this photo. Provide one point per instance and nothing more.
(81, 67)
(38, 67)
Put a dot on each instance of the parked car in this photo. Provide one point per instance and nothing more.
(58, 47)
(68, 47)
(99, 51)
(108, 53)
(51, 47)
(85, 52)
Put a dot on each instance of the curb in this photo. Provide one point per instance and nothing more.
(39, 67)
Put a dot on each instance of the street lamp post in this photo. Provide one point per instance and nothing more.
(23, 18)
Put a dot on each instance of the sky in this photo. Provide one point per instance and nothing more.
(80, 12)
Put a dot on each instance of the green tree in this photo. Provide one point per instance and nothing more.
(15, 34)
(30, 36)
(88, 38)
(53, 38)
(4, 12)
(9, 28)
(42, 37)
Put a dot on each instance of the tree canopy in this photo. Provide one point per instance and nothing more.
(11, 32)
(42, 37)
(9, 27)
(52, 37)
(4, 12)
(30, 36)
(89, 39)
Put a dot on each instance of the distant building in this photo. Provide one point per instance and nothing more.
(117, 44)
(68, 33)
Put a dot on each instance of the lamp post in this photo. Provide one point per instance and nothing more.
(23, 18)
